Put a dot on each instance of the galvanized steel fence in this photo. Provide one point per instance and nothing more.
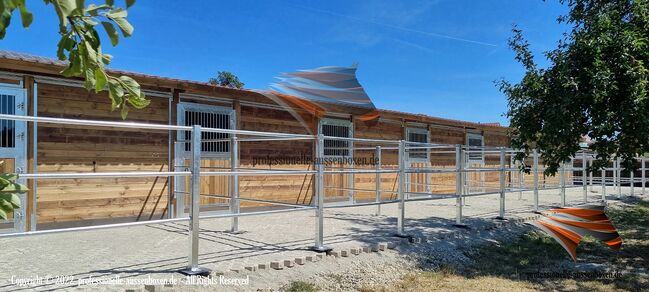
(510, 178)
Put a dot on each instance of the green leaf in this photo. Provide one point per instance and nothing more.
(74, 68)
(91, 54)
(65, 44)
(124, 112)
(3, 214)
(124, 26)
(111, 31)
(80, 7)
(110, 2)
(139, 102)
(14, 188)
(106, 58)
(101, 79)
(10, 200)
(115, 93)
(130, 85)
(119, 17)
(66, 7)
(89, 21)
(9, 176)
(90, 81)
(117, 13)
(94, 9)
(129, 3)
(26, 16)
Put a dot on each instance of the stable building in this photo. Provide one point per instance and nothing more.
(33, 86)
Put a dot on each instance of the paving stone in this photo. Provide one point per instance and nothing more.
(334, 253)
(344, 253)
(276, 265)
(312, 259)
(383, 246)
(262, 266)
(300, 261)
(152, 288)
(392, 245)
(251, 268)
(355, 251)
(288, 263)
(367, 249)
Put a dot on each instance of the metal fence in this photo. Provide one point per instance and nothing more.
(468, 178)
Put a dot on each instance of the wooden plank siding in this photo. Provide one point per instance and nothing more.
(93, 149)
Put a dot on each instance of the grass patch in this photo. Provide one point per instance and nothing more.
(515, 265)
(300, 286)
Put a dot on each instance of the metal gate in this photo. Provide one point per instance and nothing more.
(215, 153)
(13, 150)
(338, 186)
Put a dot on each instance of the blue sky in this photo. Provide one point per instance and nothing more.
(438, 58)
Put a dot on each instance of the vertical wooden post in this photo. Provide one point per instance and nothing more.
(31, 214)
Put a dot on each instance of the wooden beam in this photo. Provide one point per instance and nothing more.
(28, 84)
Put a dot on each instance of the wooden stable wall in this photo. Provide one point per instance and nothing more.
(93, 149)
(295, 189)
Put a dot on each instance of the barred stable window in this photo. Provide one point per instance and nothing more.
(477, 141)
(418, 135)
(208, 118)
(336, 128)
(7, 127)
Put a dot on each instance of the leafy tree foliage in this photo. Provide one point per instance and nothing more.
(8, 190)
(595, 87)
(80, 45)
(225, 78)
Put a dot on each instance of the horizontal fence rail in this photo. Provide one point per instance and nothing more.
(465, 177)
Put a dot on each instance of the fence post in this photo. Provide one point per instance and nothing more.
(235, 203)
(614, 167)
(584, 174)
(643, 176)
(194, 212)
(632, 179)
(604, 181)
(535, 171)
(402, 204)
(590, 174)
(562, 183)
(377, 165)
(501, 211)
(519, 177)
(619, 178)
(459, 185)
(319, 197)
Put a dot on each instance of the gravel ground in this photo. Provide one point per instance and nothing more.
(158, 251)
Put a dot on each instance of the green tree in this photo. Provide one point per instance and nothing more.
(595, 86)
(80, 46)
(227, 79)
